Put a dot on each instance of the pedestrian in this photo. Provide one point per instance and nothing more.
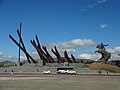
(5, 70)
(37, 70)
(12, 72)
(99, 72)
(107, 72)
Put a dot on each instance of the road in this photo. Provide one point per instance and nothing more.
(38, 74)
(39, 81)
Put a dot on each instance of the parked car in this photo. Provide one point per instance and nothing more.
(46, 72)
(66, 70)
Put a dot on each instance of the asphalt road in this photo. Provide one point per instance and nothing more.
(38, 74)
(39, 81)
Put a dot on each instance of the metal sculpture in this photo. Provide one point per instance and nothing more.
(23, 45)
(57, 54)
(28, 56)
(67, 57)
(73, 58)
(41, 53)
(105, 54)
(51, 60)
(19, 48)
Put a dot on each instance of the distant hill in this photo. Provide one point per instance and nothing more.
(4, 62)
(7, 64)
(85, 60)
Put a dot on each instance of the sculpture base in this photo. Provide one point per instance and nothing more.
(103, 61)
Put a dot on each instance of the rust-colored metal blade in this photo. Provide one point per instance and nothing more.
(21, 47)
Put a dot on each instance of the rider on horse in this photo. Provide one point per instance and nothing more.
(105, 55)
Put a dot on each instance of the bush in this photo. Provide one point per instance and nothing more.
(1, 65)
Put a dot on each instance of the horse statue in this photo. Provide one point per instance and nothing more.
(105, 55)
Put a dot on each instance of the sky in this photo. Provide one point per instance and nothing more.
(73, 25)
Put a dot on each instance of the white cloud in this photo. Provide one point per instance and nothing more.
(35, 54)
(92, 56)
(115, 51)
(23, 58)
(104, 26)
(74, 43)
(10, 58)
(85, 8)
(96, 56)
(70, 46)
(101, 1)
(64, 32)
(0, 53)
(7, 58)
(68, 50)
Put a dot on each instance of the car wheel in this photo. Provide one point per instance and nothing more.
(58, 72)
(66, 73)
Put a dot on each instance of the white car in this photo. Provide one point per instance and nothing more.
(46, 72)
(66, 72)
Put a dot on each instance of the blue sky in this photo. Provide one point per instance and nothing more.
(61, 22)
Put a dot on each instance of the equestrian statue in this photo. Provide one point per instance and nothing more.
(105, 54)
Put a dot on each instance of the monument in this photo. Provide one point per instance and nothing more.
(105, 54)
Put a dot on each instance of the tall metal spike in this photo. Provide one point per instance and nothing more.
(67, 57)
(73, 58)
(41, 55)
(51, 60)
(23, 45)
(21, 48)
(57, 54)
(19, 43)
